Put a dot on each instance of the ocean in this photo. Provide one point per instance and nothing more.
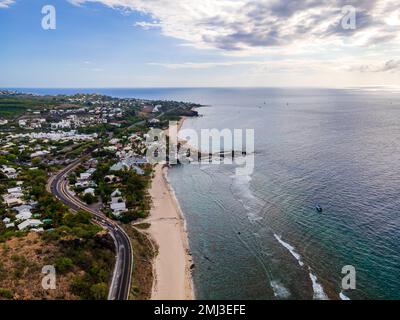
(259, 236)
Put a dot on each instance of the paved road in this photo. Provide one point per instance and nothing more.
(121, 281)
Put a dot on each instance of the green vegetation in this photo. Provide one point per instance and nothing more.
(11, 106)
(89, 198)
(6, 294)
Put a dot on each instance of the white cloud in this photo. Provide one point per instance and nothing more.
(252, 27)
(147, 25)
(6, 3)
(203, 65)
(388, 66)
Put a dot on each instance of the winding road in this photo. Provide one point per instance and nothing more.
(121, 281)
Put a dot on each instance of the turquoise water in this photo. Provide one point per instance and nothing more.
(259, 236)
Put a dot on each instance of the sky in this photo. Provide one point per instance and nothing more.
(207, 43)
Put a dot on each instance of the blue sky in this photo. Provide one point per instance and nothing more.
(158, 43)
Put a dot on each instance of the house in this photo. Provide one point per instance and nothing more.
(10, 173)
(14, 190)
(118, 208)
(119, 166)
(40, 154)
(31, 223)
(116, 193)
(24, 215)
(24, 212)
(82, 184)
(114, 141)
(6, 220)
(128, 163)
(154, 121)
(138, 170)
(89, 191)
(157, 108)
(10, 225)
(13, 195)
(11, 202)
(23, 208)
(63, 124)
(84, 176)
(91, 171)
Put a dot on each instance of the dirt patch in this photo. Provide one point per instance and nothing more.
(22, 260)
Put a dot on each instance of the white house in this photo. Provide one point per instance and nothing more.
(40, 154)
(154, 121)
(23, 208)
(22, 123)
(10, 173)
(157, 108)
(82, 184)
(14, 190)
(114, 141)
(6, 220)
(118, 208)
(10, 225)
(84, 176)
(116, 193)
(89, 191)
(31, 223)
(24, 215)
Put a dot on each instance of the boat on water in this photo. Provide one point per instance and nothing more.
(318, 208)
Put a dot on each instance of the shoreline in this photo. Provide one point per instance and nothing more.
(172, 278)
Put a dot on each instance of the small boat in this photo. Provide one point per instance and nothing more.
(318, 208)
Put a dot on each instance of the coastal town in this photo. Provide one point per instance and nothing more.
(73, 170)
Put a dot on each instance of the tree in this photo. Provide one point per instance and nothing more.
(36, 161)
(99, 291)
(89, 198)
(64, 264)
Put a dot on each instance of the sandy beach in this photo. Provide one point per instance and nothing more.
(173, 279)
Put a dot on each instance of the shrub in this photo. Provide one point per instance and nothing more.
(64, 264)
(6, 294)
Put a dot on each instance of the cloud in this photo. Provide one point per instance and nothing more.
(203, 65)
(6, 3)
(148, 25)
(259, 67)
(388, 66)
(248, 25)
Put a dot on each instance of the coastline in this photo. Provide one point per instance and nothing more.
(172, 265)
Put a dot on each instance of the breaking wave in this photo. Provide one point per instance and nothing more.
(291, 249)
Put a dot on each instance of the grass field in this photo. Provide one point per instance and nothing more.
(15, 106)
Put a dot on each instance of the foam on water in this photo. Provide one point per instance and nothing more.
(291, 249)
(343, 296)
(279, 290)
(319, 293)
(242, 192)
